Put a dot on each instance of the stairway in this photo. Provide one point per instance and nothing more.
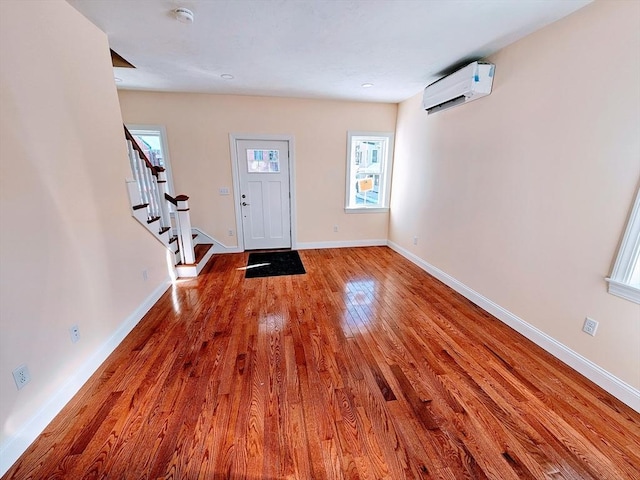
(165, 217)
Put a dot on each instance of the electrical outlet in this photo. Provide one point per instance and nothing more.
(21, 376)
(415, 240)
(230, 233)
(145, 275)
(75, 333)
(335, 228)
(590, 326)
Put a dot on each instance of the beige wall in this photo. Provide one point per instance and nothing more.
(523, 196)
(198, 128)
(70, 251)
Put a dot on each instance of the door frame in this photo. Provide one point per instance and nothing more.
(233, 144)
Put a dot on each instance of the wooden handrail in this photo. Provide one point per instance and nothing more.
(154, 169)
(175, 200)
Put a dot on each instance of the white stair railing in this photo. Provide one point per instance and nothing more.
(136, 169)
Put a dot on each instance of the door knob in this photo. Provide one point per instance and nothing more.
(244, 204)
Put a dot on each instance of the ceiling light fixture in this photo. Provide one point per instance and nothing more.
(367, 85)
(227, 76)
(183, 15)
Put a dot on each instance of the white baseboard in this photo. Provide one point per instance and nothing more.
(221, 248)
(341, 244)
(218, 247)
(598, 375)
(202, 237)
(14, 446)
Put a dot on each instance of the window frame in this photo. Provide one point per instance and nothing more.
(142, 129)
(628, 255)
(386, 165)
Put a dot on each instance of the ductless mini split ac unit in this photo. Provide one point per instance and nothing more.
(469, 83)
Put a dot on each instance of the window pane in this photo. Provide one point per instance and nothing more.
(368, 164)
(151, 145)
(367, 190)
(263, 161)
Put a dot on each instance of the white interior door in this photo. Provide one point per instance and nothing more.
(263, 168)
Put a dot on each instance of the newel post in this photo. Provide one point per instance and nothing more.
(184, 230)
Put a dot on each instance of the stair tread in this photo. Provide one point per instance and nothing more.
(142, 205)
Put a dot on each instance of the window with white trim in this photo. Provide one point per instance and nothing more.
(369, 159)
(152, 139)
(625, 278)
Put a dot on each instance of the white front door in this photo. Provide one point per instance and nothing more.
(263, 167)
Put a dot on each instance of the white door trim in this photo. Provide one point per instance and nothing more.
(233, 139)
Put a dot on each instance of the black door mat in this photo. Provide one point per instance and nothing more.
(272, 264)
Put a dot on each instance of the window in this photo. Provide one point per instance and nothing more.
(625, 278)
(153, 141)
(368, 171)
(263, 161)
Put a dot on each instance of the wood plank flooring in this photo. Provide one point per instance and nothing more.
(364, 368)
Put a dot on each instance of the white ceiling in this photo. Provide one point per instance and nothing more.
(310, 48)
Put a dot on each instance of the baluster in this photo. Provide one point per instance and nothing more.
(148, 182)
(144, 191)
(152, 193)
(155, 193)
(134, 159)
(165, 219)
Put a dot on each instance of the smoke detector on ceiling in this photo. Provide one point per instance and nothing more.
(183, 15)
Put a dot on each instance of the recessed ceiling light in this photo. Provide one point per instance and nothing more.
(367, 85)
(227, 76)
(117, 79)
(183, 15)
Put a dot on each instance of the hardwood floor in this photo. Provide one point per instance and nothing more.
(364, 368)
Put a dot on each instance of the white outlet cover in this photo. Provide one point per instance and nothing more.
(21, 376)
(74, 332)
(590, 326)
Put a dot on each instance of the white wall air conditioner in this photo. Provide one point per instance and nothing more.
(469, 83)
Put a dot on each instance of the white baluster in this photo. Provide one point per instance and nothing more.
(155, 194)
(148, 188)
(134, 159)
(144, 191)
(165, 219)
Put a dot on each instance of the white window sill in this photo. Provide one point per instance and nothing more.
(366, 209)
(624, 290)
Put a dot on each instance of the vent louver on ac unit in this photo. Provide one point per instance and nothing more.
(469, 83)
